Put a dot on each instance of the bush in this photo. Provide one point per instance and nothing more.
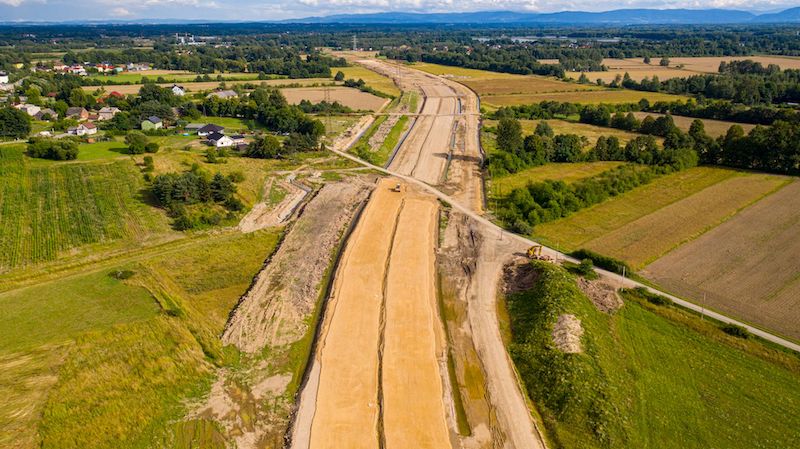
(736, 331)
(607, 263)
(57, 150)
(137, 142)
(651, 297)
(585, 268)
(151, 147)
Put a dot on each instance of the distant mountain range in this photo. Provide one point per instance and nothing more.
(616, 17)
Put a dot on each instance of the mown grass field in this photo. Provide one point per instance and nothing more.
(95, 361)
(610, 96)
(567, 172)
(47, 209)
(649, 376)
(373, 79)
(101, 150)
(576, 230)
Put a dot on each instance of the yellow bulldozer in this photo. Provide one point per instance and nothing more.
(535, 253)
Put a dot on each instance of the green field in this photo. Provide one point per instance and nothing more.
(567, 172)
(231, 124)
(649, 376)
(48, 208)
(95, 361)
(101, 150)
(391, 140)
(644, 223)
(375, 80)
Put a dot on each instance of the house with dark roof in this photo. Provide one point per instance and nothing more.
(220, 140)
(178, 90)
(209, 129)
(152, 123)
(46, 114)
(77, 113)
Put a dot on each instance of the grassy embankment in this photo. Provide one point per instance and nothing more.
(649, 376)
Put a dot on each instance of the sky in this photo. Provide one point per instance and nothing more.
(59, 10)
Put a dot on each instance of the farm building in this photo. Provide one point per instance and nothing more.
(152, 123)
(210, 129)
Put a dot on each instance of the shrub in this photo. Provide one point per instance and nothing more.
(586, 267)
(605, 262)
(736, 331)
(651, 297)
(57, 150)
(151, 147)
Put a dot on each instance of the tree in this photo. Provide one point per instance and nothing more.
(137, 142)
(646, 60)
(509, 135)
(583, 79)
(339, 76)
(14, 123)
(664, 62)
(544, 129)
(78, 98)
(151, 147)
(264, 147)
(566, 148)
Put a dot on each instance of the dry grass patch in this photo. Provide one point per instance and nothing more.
(347, 96)
(747, 267)
(636, 73)
(714, 128)
(647, 238)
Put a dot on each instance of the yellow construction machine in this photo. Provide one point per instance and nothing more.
(535, 253)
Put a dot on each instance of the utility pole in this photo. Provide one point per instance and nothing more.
(355, 43)
(327, 99)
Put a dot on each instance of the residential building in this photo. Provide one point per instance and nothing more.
(3, 78)
(77, 113)
(223, 94)
(152, 123)
(29, 109)
(210, 129)
(46, 114)
(220, 140)
(84, 129)
(107, 113)
(178, 90)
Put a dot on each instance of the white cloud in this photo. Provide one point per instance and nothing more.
(120, 12)
(12, 2)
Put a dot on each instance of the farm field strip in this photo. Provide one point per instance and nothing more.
(194, 86)
(651, 236)
(591, 132)
(585, 97)
(347, 96)
(574, 231)
(746, 267)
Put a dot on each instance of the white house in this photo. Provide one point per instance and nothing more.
(178, 90)
(3, 78)
(220, 140)
(86, 129)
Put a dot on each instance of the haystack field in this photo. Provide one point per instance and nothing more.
(747, 267)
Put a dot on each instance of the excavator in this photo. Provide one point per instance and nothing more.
(535, 253)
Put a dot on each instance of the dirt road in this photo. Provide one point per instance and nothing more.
(375, 380)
